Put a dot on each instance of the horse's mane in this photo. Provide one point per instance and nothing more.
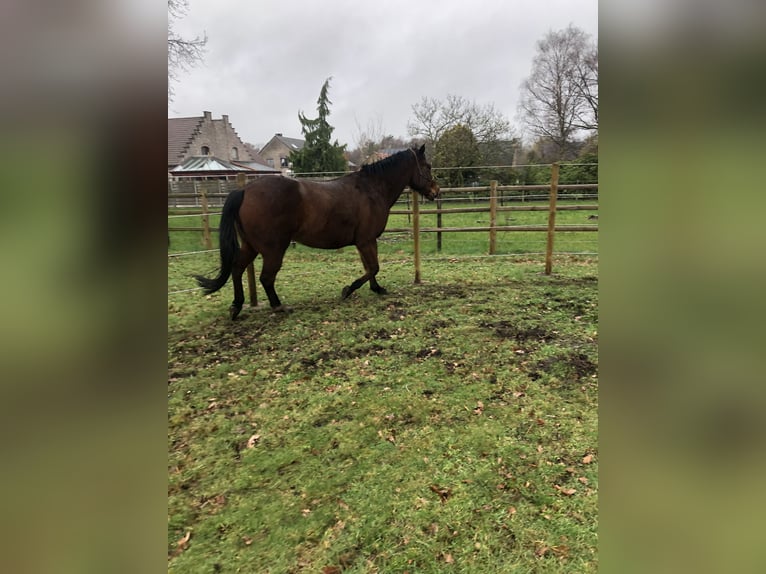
(385, 163)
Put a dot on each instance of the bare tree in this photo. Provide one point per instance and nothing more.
(183, 53)
(560, 97)
(367, 140)
(587, 85)
(434, 117)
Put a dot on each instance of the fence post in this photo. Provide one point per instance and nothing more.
(439, 223)
(205, 220)
(552, 218)
(252, 286)
(492, 216)
(416, 233)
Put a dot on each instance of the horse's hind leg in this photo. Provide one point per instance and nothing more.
(245, 257)
(272, 263)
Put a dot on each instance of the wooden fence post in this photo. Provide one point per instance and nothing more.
(552, 218)
(439, 223)
(492, 216)
(416, 233)
(205, 220)
(252, 286)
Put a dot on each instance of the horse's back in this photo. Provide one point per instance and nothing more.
(270, 208)
(327, 215)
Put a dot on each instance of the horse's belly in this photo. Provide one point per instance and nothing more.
(325, 241)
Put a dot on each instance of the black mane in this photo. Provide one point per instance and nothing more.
(383, 164)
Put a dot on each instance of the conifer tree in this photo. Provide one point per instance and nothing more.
(318, 154)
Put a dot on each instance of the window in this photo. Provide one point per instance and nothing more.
(234, 153)
(270, 161)
(283, 162)
(205, 150)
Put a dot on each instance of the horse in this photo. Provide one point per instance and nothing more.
(272, 212)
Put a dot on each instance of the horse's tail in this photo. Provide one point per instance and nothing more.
(227, 238)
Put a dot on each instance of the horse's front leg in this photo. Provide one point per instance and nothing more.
(377, 288)
(369, 255)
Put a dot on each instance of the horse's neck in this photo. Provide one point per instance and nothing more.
(393, 185)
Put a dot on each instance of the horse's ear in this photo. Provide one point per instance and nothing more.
(422, 149)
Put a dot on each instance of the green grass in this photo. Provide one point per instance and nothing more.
(441, 428)
(461, 243)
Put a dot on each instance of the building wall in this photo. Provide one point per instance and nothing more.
(220, 138)
(276, 153)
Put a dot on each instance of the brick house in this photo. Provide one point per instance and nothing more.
(276, 153)
(204, 136)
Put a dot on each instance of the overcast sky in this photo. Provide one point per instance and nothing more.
(266, 61)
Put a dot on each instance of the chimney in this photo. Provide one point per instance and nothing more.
(279, 134)
(225, 119)
(208, 116)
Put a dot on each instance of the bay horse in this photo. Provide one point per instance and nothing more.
(273, 211)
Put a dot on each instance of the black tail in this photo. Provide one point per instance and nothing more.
(227, 238)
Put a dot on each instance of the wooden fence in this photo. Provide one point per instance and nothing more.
(206, 196)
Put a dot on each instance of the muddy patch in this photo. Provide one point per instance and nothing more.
(519, 333)
(570, 366)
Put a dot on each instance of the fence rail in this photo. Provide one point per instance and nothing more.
(209, 194)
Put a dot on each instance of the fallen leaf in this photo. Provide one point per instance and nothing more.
(587, 459)
(512, 510)
(182, 544)
(567, 491)
(448, 558)
(253, 440)
(583, 480)
(444, 493)
(184, 540)
(247, 540)
(331, 570)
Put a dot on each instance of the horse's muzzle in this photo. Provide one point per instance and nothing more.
(433, 191)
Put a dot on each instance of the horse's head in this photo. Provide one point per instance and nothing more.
(422, 180)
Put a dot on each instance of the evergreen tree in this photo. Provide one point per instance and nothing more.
(318, 154)
(457, 147)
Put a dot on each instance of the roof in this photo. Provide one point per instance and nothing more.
(208, 163)
(257, 166)
(180, 132)
(292, 143)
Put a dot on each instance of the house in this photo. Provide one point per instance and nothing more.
(277, 152)
(204, 136)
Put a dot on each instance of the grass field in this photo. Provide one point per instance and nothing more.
(449, 426)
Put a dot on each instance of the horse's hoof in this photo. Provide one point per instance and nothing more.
(345, 293)
(282, 309)
(234, 311)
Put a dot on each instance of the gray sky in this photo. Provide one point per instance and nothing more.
(266, 61)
